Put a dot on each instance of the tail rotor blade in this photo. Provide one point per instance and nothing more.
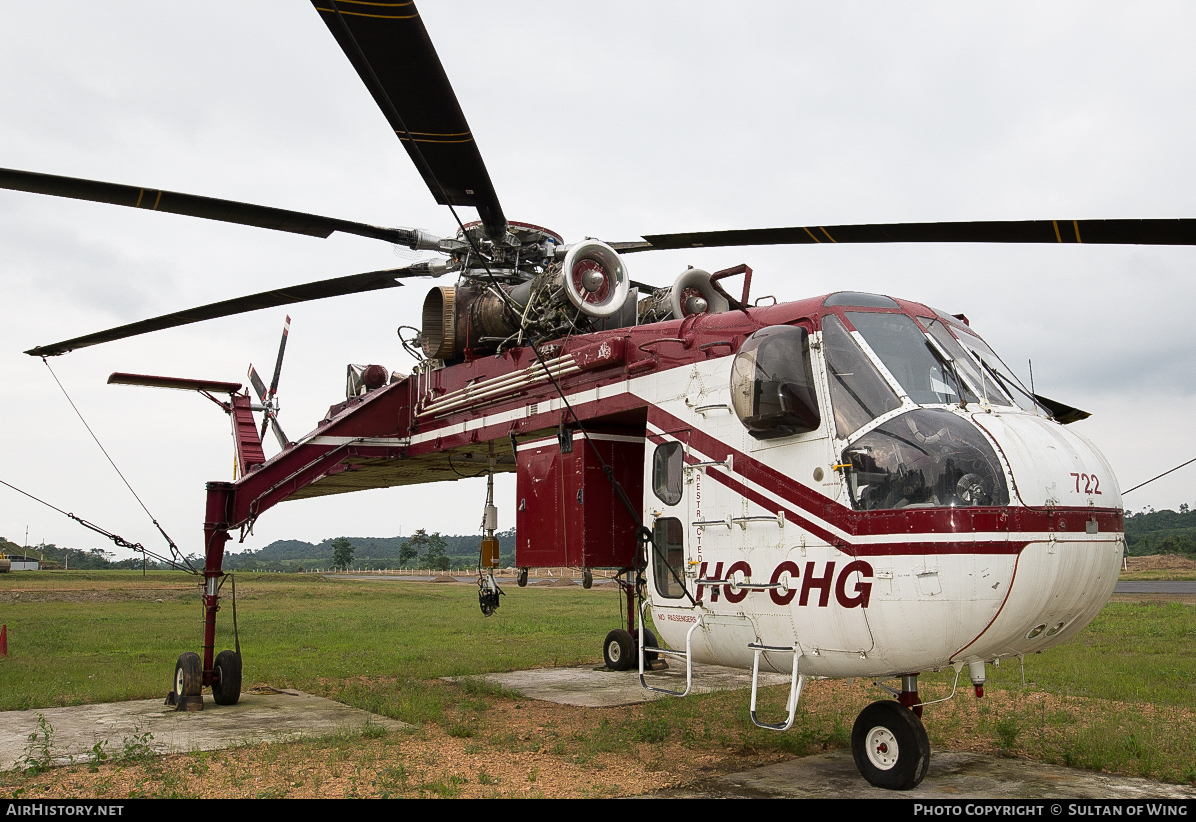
(282, 347)
(258, 385)
(283, 442)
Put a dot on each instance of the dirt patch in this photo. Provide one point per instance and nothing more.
(444, 578)
(514, 748)
(1161, 562)
(556, 583)
(97, 594)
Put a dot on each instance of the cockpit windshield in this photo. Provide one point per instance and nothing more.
(925, 369)
(967, 365)
(934, 360)
(999, 372)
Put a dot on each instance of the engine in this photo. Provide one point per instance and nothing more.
(533, 287)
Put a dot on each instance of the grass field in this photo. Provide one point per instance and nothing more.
(109, 635)
(1121, 697)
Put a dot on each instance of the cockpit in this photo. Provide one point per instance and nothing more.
(903, 383)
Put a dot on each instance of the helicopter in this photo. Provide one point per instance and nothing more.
(685, 339)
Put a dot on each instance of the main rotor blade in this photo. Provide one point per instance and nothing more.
(394, 56)
(336, 287)
(192, 205)
(282, 347)
(1093, 232)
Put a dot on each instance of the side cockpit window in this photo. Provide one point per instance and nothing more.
(772, 383)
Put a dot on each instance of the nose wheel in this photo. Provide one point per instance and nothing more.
(890, 746)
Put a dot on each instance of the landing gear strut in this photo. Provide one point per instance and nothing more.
(620, 648)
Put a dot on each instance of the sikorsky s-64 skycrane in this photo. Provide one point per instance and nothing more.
(846, 485)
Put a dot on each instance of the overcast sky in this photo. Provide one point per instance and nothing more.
(601, 119)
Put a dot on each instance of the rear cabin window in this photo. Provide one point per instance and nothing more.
(668, 557)
(666, 472)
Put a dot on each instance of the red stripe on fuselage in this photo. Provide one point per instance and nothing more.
(907, 523)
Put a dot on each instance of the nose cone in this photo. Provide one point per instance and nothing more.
(1051, 464)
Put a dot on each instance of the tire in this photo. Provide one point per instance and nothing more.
(188, 675)
(618, 651)
(226, 689)
(522, 579)
(890, 746)
(649, 642)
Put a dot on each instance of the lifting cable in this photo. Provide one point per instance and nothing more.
(174, 549)
(120, 541)
(1160, 476)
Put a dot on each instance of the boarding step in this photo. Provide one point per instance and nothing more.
(796, 681)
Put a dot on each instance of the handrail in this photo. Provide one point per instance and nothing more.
(687, 655)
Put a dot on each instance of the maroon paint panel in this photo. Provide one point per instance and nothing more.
(567, 512)
(245, 435)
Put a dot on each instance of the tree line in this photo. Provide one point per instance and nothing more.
(51, 558)
(434, 551)
(1161, 532)
(421, 550)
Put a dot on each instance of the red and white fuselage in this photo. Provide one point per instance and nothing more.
(889, 534)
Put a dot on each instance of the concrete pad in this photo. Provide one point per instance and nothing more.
(952, 775)
(603, 688)
(257, 717)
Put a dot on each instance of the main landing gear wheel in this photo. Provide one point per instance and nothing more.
(226, 690)
(618, 651)
(890, 746)
(188, 675)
